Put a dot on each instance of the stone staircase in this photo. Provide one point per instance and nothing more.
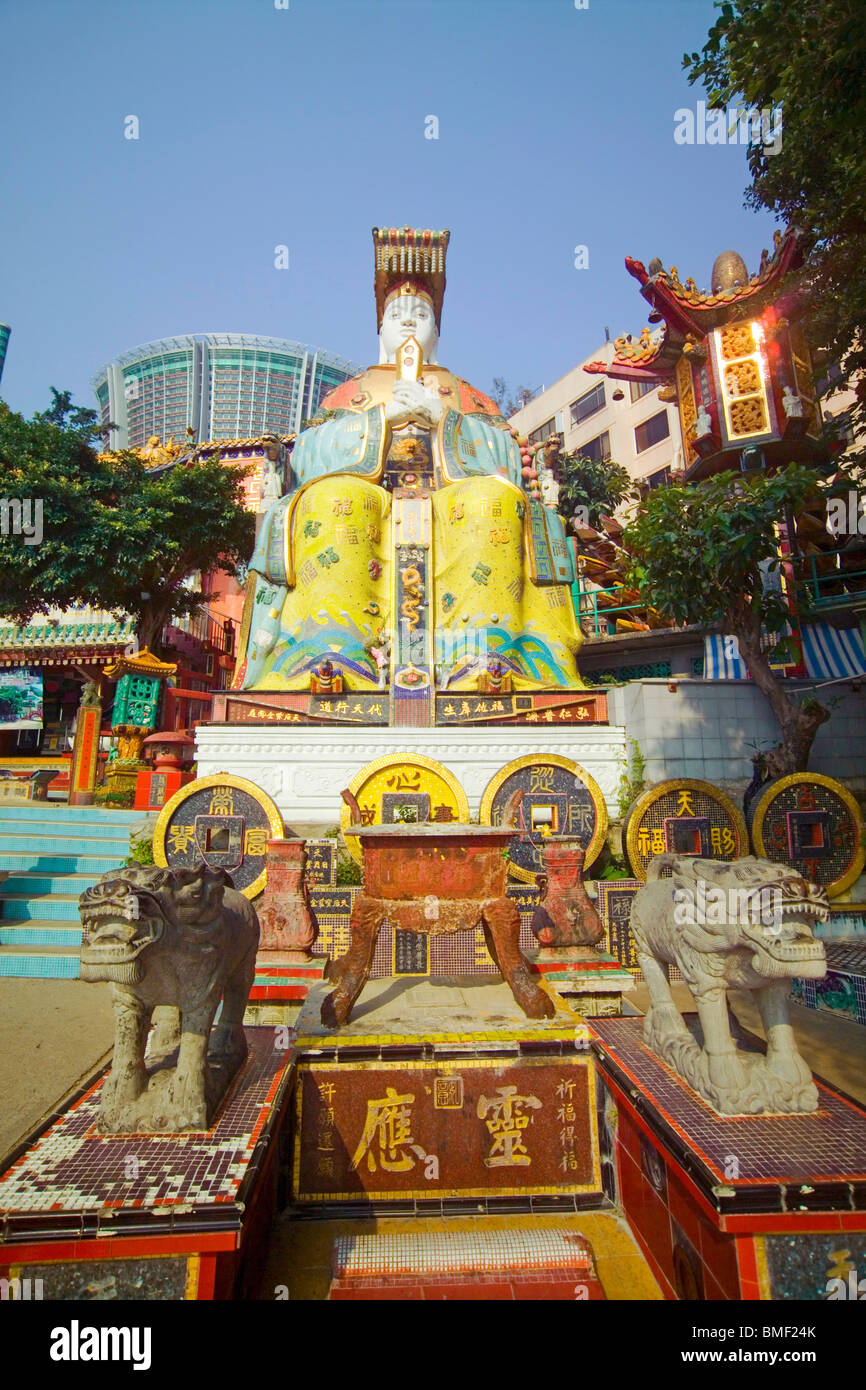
(49, 854)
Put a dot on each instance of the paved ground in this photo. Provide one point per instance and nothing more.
(53, 1035)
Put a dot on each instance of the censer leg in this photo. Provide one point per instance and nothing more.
(368, 914)
(501, 923)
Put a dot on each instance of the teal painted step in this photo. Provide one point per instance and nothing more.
(31, 884)
(58, 814)
(57, 907)
(32, 966)
(76, 836)
(34, 861)
(35, 934)
(51, 854)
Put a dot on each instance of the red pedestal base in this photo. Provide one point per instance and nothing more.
(154, 789)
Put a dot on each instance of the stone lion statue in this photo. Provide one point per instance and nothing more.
(743, 925)
(173, 942)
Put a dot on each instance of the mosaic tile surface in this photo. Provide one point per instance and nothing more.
(846, 955)
(73, 1168)
(461, 1252)
(828, 1145)
(843, 989)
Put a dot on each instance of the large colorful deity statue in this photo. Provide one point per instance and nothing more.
(406, 555)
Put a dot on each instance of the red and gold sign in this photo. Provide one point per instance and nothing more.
(404, 787)
(85, 752)
(813, 823)
(419, 1129)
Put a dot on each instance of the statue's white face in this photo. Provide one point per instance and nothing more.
(408, 316)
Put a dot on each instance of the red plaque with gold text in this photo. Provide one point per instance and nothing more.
(473, 1128)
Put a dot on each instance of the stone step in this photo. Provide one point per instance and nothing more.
(55, 907)
(78, 838)
(37, 860)
(49, 962)
(32, 882)
(57, 813)
(40, 933)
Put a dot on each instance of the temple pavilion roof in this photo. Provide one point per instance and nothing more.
(689, 314)
(72, 635)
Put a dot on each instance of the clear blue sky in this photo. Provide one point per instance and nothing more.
(305, 127)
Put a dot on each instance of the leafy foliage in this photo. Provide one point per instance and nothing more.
(598, 486)
(510, 399)
(79, 419)
(632, 779)
(809, 57)
(698, 551)
(117, 535)
(707, 554)
(141, 852)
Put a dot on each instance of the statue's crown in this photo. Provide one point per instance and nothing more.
(409, 262)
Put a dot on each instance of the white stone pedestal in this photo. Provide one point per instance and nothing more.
(305, 769)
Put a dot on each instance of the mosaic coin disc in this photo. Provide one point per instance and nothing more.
(813, 823)
(403, 787)
(560, 798)
(683, 816)
(224, 821)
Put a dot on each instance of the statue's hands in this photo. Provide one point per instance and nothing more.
(412, 400)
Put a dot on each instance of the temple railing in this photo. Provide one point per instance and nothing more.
(220, 633)
(831, 578)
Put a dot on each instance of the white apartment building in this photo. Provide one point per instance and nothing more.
(604, 419)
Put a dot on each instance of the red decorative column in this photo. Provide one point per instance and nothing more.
(286, 921)
(565, 916)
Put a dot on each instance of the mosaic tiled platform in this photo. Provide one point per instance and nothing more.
(788, 1163)
(843, 989)
(522, 1262)
(75, 1179)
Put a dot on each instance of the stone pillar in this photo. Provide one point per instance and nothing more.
(286, 921)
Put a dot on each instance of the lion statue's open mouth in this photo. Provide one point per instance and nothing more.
(120, 920)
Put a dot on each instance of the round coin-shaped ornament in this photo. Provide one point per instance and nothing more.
(683, 816)
(559, 798)
(222, 821)
(403, 787)
(813, 823)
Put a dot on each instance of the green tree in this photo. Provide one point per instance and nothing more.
(807, 57)
(76, 419)
(597, 486)
(703, 554)
(115, 534)
(510, 399)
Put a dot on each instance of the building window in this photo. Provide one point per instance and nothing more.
(659, 478)
(543, 432)
(588, 404)
(652, 431)
(641, 388)
(596, 450)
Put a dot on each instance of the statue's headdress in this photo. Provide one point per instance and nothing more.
(409, 262)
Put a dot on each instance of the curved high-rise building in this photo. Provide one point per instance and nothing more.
(222, 385)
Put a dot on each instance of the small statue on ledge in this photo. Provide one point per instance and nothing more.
(173, 942)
